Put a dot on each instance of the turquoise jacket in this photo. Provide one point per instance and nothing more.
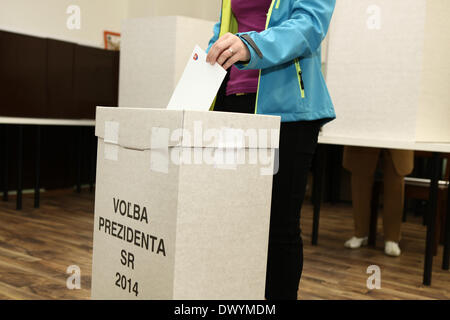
(288, 55)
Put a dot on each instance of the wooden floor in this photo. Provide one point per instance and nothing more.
(37, 246)
(332, 271)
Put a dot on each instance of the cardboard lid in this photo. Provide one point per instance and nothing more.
(144, 128)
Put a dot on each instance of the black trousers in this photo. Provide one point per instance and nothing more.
(298, 141)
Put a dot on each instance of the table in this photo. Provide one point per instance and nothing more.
(38, 123)
(436, 148)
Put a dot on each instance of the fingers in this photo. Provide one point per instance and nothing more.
(220, 52)
(219, 47)
(235, 58)
(226, 55)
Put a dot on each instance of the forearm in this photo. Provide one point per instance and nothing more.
(300, 36)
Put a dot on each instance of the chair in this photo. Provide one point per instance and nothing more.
(416, 188)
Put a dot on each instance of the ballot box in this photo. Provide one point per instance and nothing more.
(182, 204)
(153, 56)
(388, 70)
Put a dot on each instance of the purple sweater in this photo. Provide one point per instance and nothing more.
(251, 15)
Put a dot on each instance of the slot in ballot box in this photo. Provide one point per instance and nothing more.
(182, 204)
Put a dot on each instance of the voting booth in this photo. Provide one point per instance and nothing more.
(153, 56)
(387, 70)
(182, 204)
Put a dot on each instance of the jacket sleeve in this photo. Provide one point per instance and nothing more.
(215, 37)
(299, 36)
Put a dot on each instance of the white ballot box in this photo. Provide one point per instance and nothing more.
(154, 52)
(182, 204)
(388, 70)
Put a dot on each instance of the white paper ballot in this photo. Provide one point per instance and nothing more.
(198, 85)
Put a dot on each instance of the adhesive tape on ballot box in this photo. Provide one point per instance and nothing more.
(230, 147)
(111, 139)
(230, 138)
(159, 150)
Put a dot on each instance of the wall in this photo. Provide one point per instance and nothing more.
(48, 18)
(200, 9)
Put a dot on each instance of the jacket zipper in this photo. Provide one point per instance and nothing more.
(269, 14)
(301, 84)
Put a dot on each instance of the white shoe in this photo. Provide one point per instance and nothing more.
(355, 242)
(392, 249)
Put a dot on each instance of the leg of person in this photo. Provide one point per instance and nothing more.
(362, 163)
(394, 189)
(298, 141)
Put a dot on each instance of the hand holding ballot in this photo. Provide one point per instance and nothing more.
(228, 50)
(198, 85)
